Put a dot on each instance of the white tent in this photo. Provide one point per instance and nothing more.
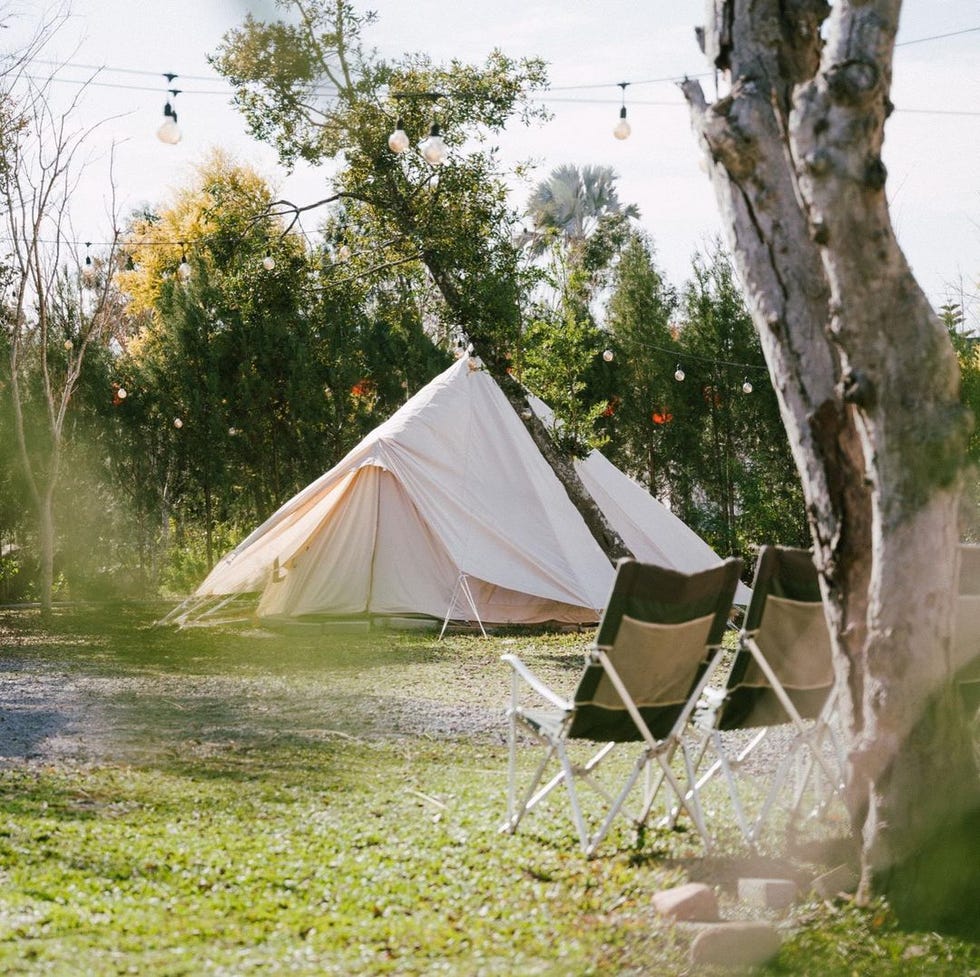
(448, 507)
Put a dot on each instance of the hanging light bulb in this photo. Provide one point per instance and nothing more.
(623, 128)
(184, 268)
(268, 262)
(343, 253)
(178, 423)
(121, 393)
(398, 141)
(679, 374)
(608, 355)
(746, 386)
(433, 148)
(69, 344)
(169, 132)
(88, 269)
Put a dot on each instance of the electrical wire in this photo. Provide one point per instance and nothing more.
(663, 79)
(937, 37)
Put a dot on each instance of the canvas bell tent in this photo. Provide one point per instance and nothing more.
(447, 510)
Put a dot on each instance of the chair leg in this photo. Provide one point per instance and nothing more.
(733, 792)
(569, 778)
(516, 811)
(616, 806)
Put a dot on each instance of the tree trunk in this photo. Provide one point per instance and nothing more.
(47, 533)
(608, 539)
(604, 534)
(878, 435)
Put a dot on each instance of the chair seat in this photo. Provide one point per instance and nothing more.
(547, 722)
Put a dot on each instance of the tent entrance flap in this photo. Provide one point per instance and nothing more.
(371, 553)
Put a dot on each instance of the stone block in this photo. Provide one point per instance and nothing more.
(742, 944)
(691, 902)
(775, 894)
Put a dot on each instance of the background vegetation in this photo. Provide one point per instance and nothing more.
(219, 355)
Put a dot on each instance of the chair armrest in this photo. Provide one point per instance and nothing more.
(533, 682)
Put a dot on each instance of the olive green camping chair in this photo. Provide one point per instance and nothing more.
(657, 643)
(966, 643)
(782, 677)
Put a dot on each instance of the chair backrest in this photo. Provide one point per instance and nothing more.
(966, 639)
(659, 630)
(785, 620)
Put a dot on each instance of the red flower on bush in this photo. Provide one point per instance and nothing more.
(363, 388)
(611, 406)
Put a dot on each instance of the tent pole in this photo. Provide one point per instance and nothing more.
(462, 583)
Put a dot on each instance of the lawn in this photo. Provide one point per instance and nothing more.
(235, 801)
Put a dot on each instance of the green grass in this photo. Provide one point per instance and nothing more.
(261, 804)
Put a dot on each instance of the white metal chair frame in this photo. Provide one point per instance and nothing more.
(655, 755)
(805, 757)
(659, 751)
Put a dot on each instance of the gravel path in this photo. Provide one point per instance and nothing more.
(49, 713)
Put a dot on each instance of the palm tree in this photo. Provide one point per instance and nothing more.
(572, 204)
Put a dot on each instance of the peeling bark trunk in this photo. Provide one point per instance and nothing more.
(608, 539)
(878, 435)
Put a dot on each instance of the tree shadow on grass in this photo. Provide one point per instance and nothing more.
(26, 727)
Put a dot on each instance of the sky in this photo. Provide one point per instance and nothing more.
(931, 145)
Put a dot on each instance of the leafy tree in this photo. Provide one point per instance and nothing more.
(641, 405)
(559, 351)
(272, 360)
(312, 90)
(967, 347)
(747, 489)
(579, 229)
(61, 308)
(573, 202)
(579, 212)
(709, 445)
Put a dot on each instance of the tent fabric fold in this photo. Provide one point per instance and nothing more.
(451, 484)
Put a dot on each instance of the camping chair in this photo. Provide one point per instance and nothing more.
(966, 642)
(782, 674)
(656, 645)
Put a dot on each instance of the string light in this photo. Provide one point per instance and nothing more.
(679, 374)
(608, 355)
(398, 141)
(184, 268)
(169, 132)
(178, 423)
(746, 386)
(623, 128)
(268, 262)
(432, 147)
(88, 269)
